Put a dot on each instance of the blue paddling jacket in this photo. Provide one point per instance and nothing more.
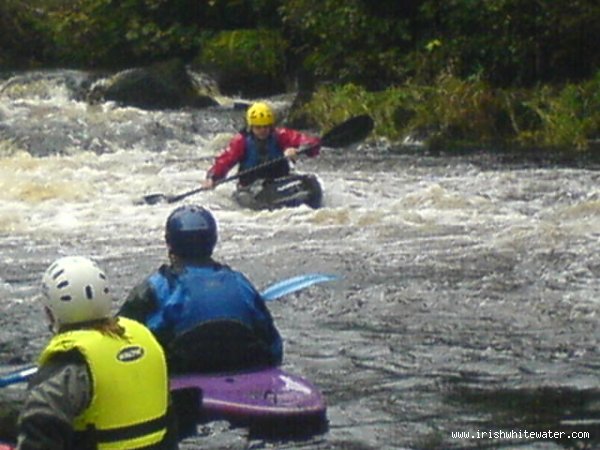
(208, 317)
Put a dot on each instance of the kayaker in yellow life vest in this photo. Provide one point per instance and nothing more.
(102, 381)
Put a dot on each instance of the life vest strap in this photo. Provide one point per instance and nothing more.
(128, 432)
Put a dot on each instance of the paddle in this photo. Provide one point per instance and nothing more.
(346, 133)
(294, 284)
(272, 292)
(18, 376)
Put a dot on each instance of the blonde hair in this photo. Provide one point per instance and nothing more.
(109, 326)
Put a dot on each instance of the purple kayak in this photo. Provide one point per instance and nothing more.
(269, 401)
(265, 396)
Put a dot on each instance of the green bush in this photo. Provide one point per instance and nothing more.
(455, 114)
(391, 109)
(256, 52)
(569, 117)
(453, 108)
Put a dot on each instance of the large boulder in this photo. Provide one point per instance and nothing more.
(165, 85)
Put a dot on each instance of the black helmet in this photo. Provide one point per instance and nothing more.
(191, 231)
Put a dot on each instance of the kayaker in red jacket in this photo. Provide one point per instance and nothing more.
(259, 143)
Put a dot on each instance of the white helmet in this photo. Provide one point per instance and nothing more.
(76, 290)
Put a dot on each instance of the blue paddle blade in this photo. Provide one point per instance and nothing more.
(18, 376)
(294, 284)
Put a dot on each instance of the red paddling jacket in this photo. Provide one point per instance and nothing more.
(244, 149)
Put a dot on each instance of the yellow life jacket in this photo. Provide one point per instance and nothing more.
(129, 382)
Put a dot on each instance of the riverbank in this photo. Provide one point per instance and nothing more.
(457, 116)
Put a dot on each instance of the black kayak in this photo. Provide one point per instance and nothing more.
(285, 192)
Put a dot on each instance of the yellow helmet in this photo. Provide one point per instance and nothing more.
(260, 114)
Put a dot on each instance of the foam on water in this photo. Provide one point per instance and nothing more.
(453, 269)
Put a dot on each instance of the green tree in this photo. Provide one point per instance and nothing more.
(21, 35)
(340, 40)
(95, 33)
(516, 42)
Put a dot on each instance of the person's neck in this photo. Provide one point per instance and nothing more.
(83, 325)
(178, 262)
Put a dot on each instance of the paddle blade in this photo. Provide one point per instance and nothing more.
(349, 132)
(18, 377)
(153, 199)
(294, 284)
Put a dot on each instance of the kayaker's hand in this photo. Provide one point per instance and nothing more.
(291, 153)
(208, 183)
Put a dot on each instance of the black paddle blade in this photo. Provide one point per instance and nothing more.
(153, 199)
(349, 132)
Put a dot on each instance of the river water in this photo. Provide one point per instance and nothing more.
(470, 293)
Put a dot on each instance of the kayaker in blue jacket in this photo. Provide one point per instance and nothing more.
(207, 316)
(101, 380)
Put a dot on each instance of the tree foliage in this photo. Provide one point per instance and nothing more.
(339, 40)
(94, 33)
(507, 42)
(515, 42)
(231, 57)
(21, 35)
(375, 44)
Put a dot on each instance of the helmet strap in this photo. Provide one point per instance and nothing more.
(52, 324)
